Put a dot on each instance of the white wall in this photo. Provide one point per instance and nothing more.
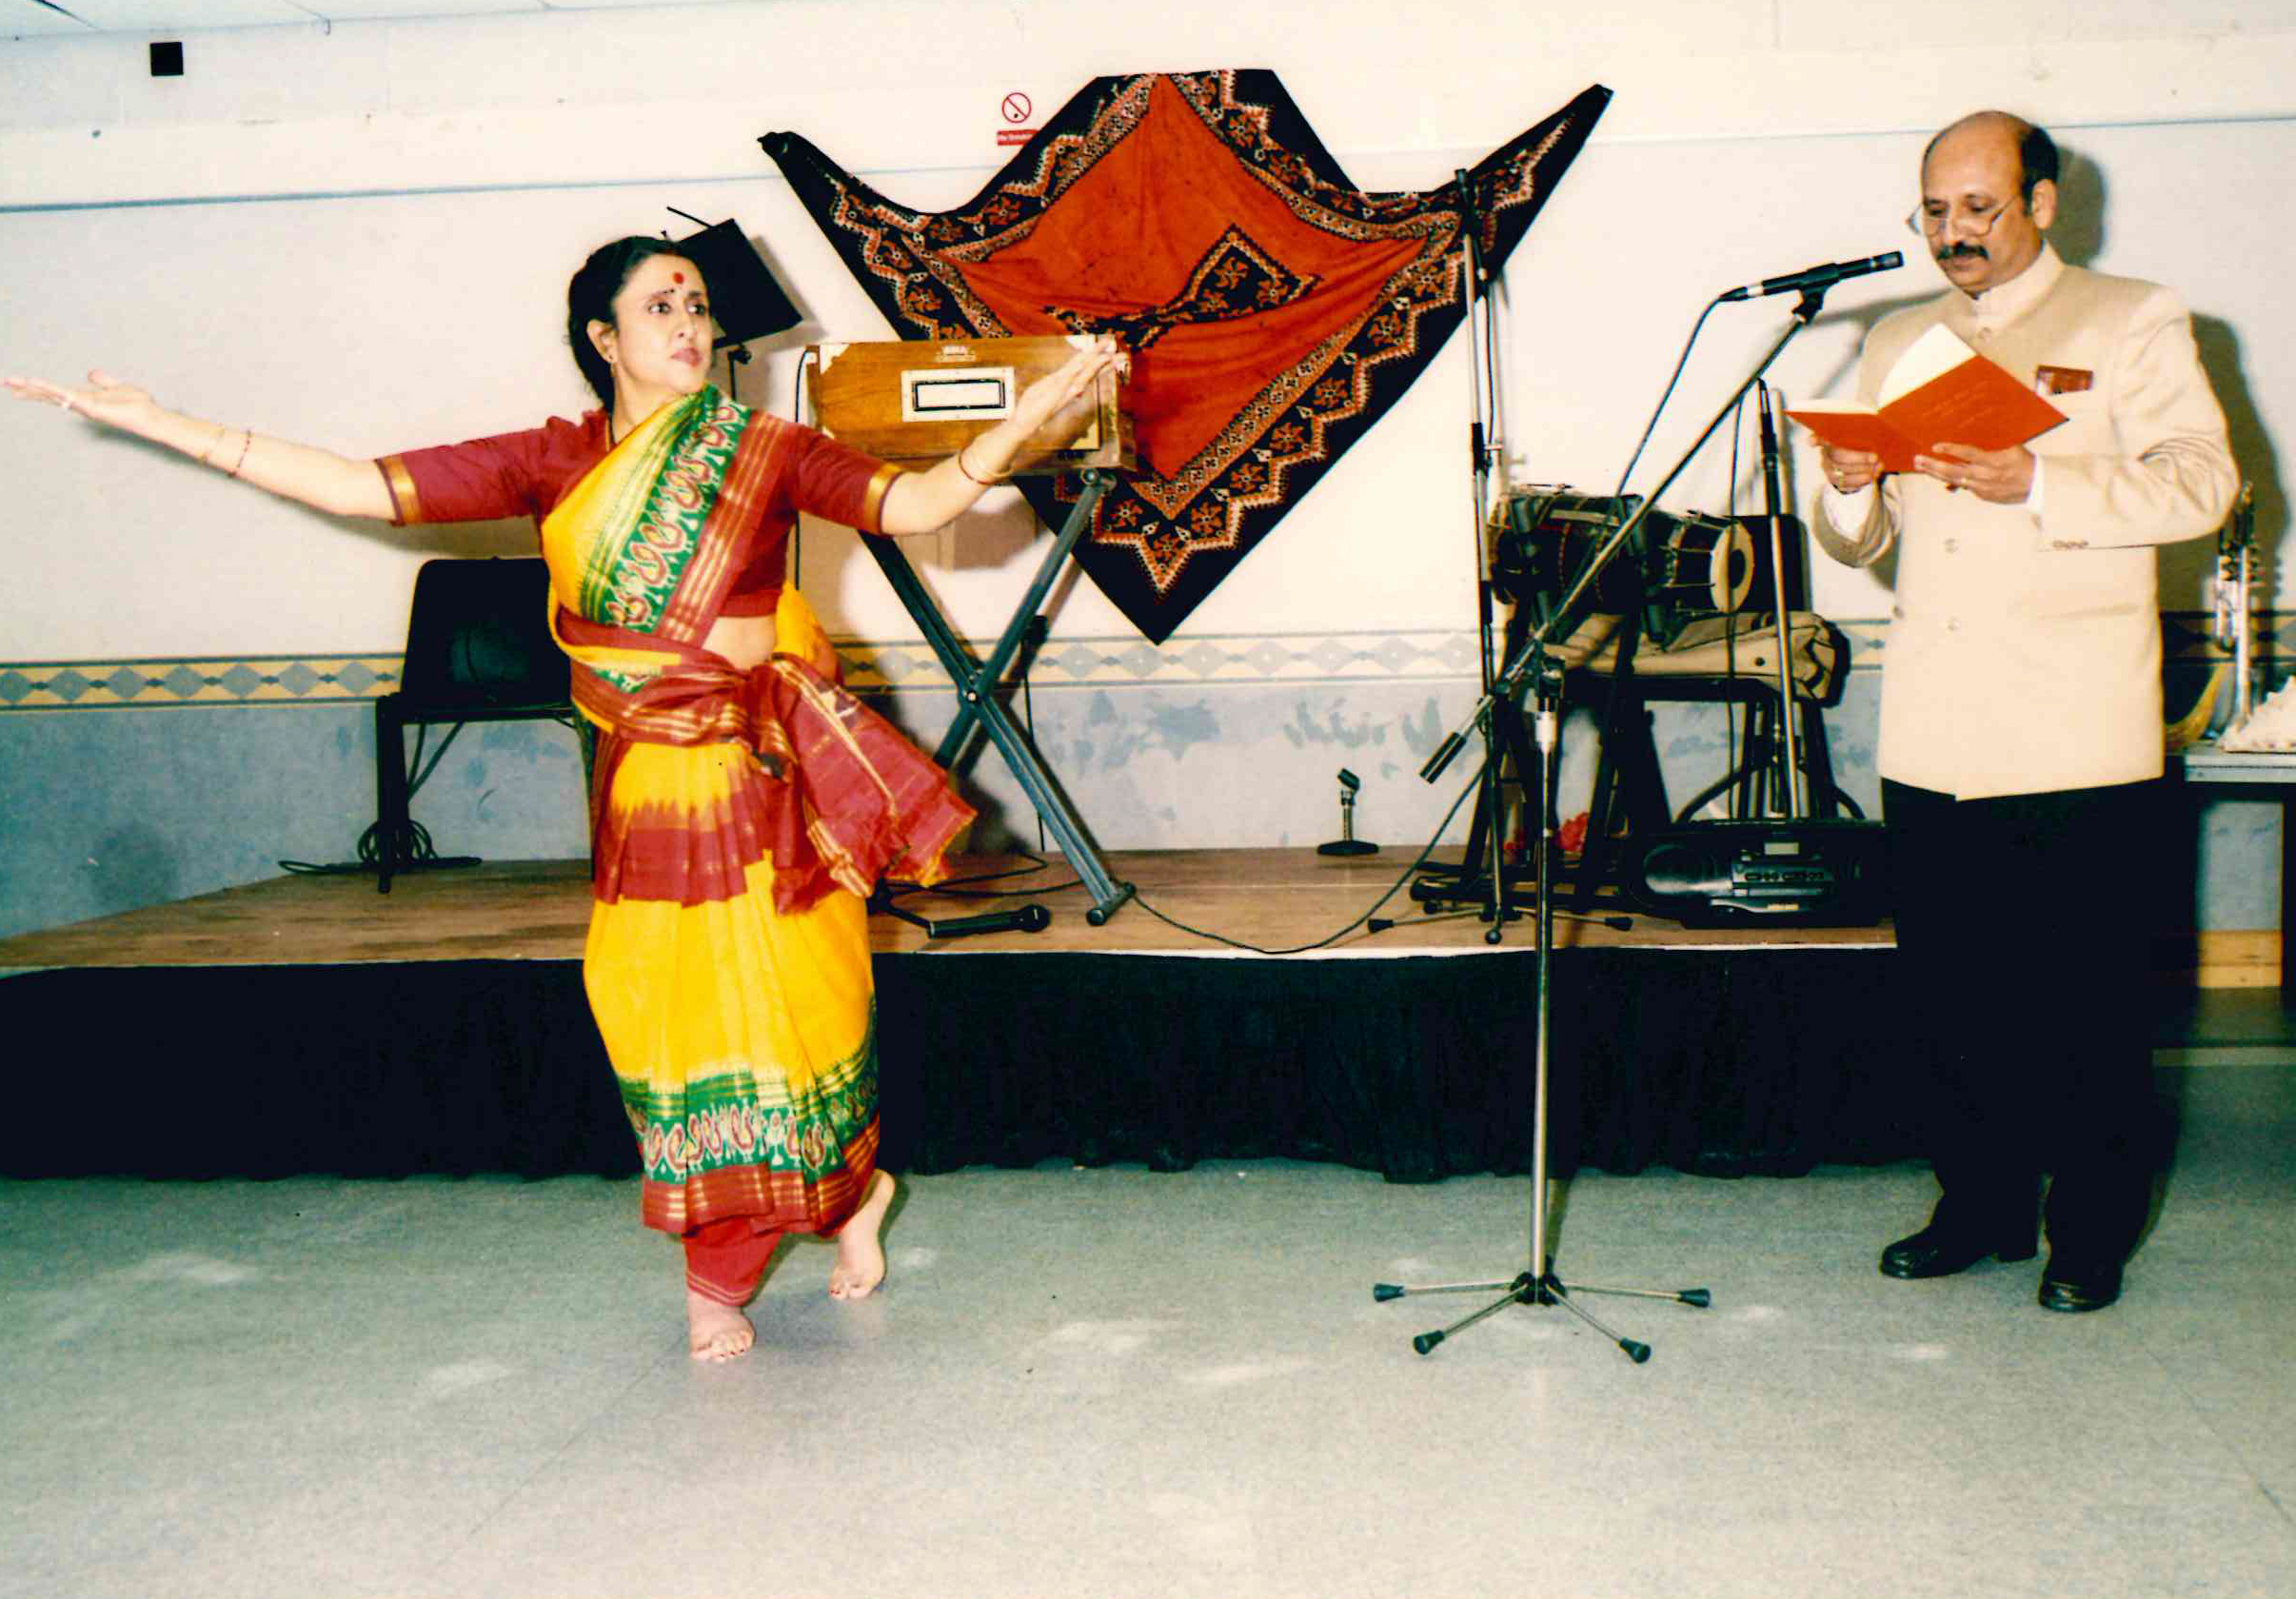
(360, 237)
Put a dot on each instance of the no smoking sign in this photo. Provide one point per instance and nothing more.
(1016, 109)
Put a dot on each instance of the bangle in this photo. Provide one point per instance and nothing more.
(246, 443)
(221, 434)
(989, 481)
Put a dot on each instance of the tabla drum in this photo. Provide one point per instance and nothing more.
(1673, 568)
(1543, 533)
(1697, 564)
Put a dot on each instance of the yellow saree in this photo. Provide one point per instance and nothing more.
(737, 819)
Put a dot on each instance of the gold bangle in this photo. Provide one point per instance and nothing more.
(221, 434)
(246, 443)
(989, 481)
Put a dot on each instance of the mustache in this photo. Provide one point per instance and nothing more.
(1962, 249)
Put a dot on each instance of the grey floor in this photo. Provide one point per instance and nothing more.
(1115, 1383)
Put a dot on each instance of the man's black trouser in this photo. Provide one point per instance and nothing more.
(2024, 930)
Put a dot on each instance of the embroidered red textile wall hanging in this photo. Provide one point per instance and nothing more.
(1276, 310)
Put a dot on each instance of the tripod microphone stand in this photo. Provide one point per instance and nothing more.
(1541, 1285)
(1534, 665)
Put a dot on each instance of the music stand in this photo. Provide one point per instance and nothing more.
(744, 298)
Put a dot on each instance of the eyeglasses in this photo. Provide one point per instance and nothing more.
(1974, 224)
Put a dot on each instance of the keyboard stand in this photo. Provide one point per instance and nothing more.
(978, 704)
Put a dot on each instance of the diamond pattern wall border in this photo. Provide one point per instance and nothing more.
(907, 666)
(103, 685)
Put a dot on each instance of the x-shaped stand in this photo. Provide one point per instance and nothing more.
(977, 701)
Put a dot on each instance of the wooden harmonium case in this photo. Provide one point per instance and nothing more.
(917, 401)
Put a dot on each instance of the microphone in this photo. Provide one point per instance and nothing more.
(1817, 277)
(1028, 918)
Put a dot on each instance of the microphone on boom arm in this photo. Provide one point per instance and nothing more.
(1817, 277)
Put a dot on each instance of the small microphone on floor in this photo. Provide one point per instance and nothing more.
(1028, 918)
(1347, 843)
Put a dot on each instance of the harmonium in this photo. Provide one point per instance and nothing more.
(917, 401)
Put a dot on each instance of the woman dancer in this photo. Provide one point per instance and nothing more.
(745, 804)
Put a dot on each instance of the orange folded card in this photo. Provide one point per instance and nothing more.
(1939, 393)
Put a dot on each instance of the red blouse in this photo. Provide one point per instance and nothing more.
(525, 474)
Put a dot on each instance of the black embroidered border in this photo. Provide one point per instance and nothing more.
(1159, 545)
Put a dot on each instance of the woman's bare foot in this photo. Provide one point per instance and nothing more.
(860, 1259)
(715, 1331)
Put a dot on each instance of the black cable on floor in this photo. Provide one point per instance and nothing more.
(1417, 864)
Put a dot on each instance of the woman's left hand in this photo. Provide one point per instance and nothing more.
(1065, 387)
(1054, 408)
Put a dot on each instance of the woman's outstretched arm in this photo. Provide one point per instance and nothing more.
(317, 478)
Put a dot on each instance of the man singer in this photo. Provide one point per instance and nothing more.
(2021, 729)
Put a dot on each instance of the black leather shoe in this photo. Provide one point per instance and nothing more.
(1939, 1251)
(2080, 1287)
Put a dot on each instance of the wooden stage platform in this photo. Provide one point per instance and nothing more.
(538, 910)
(309, 1024)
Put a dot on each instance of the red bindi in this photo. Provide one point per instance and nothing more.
(677, 277)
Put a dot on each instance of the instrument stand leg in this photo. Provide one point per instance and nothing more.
(1756, 774)
(1505, 742)
(1541, 1286)
(1626, 770)
(1473, 881)
(1826, 796)
(978, 706)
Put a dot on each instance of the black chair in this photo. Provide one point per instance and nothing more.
(478, 649)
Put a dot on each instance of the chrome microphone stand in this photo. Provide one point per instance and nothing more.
(1536, 667)
(1541, 1285)
(1467, 883)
